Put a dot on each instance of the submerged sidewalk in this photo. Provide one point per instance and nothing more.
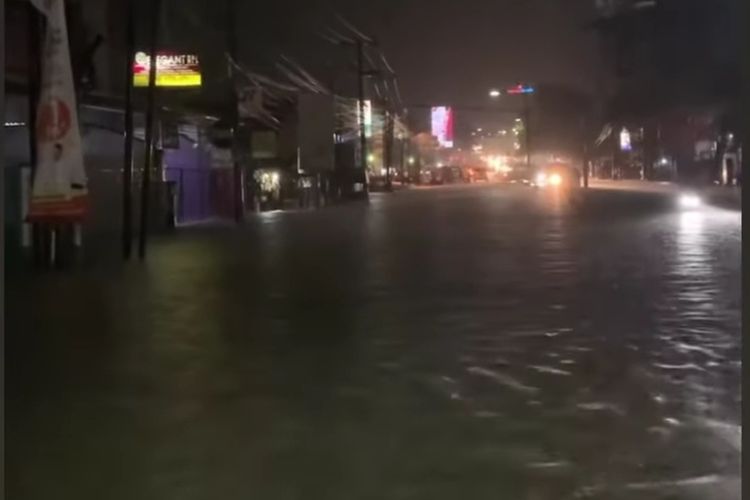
(729, 197)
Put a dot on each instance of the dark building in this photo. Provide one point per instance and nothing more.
(188, 159)
(671, 79)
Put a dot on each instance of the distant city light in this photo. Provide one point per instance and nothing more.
(15, 124)
(479, 129)
(625, 144)
(494, 93)
(520, 89)
(411, 160)
(502, 132)
(371, 158)
(518, 120)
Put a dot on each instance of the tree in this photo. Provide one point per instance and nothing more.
(562, 119)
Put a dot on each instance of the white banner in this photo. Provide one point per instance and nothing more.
(59, 192)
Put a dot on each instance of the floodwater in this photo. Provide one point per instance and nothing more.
(465, 342)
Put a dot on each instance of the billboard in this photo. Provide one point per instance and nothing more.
(172, 70)
(442, 125)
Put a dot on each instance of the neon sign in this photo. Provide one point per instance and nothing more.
(520, 89)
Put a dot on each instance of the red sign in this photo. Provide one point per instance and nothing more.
(53, 120)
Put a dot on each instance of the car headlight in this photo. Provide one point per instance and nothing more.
(690, 201)
(541, 179)
(555, 179)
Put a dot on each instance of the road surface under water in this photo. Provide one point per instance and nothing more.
(469, 342)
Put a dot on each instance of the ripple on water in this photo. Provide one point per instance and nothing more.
(502, 379)
(676, 483)
(598, 406)
(550, 370)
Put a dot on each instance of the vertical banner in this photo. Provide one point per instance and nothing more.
(59, 192)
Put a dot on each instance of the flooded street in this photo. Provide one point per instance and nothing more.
(460, 342)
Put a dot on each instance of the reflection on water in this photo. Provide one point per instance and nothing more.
(691, 222)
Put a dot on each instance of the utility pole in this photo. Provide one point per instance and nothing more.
(149, 139)
(586, 160)
(361, 96)
(39, 239)
(585, 135)
(615, 138)
(239, 208)
(358, 40)
(127, 170)
(527, 129)
(388, 147)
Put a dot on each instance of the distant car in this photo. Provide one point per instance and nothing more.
(452, 174)
(557, 176)
(519, 175)
(475, 174)
(432, 176)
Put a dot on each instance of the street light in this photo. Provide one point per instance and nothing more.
(494, 93)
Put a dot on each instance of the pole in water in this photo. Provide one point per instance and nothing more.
(239, 201)
(35, 22)
(127, 170)
(361, 96)
(149, 139)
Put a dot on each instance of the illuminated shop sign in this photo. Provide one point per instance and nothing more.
(172, 70)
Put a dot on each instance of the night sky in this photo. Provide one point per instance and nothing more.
(444, 51)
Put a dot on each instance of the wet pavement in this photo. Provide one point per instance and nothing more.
(462, 342)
